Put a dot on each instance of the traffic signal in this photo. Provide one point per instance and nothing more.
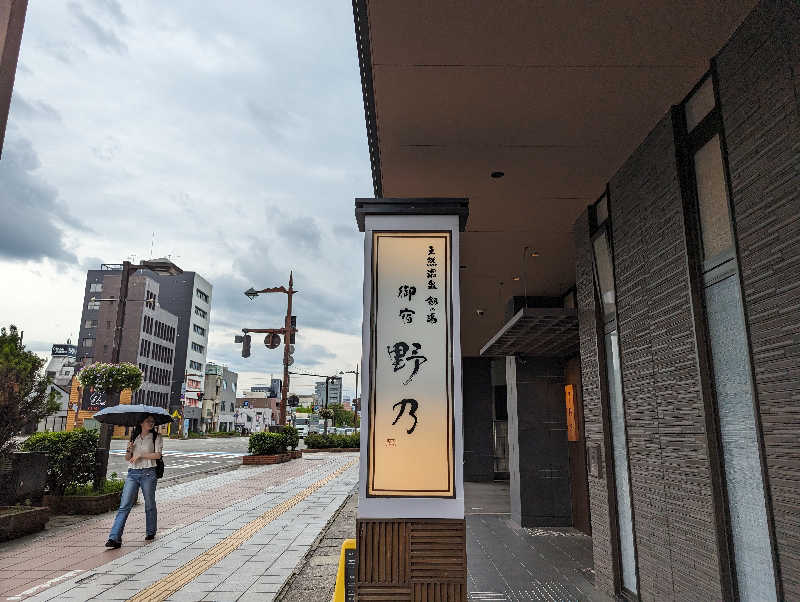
(246, 345)
(294, 325)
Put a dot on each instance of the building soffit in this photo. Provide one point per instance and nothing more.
(555, 96)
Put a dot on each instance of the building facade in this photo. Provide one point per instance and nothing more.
(187, 296)
(334, 388)
(629, 277)
(219, 399)
(149, 333)
(61, 369)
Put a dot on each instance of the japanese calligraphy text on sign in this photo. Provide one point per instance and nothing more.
(411, 447)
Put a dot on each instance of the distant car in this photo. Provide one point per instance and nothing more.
(349, 431)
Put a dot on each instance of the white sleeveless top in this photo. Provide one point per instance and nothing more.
(144, 444)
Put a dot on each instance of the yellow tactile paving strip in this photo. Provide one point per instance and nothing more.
(166, 586)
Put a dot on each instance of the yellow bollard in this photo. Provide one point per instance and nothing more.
(340, 593)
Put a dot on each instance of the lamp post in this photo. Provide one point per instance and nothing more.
(107, 430)
(356, 373)
(287, 330)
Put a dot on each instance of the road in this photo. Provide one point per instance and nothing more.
(188, 459)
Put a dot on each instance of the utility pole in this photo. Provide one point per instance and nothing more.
(287, 331)
(107, 430)
(286, 342)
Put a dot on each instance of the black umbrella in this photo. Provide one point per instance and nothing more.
(131, 415)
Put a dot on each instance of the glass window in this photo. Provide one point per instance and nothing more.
(199, 330)
(202, 295)
(90, 324)
(605, 274)
(96, 287)
(88, 342)
(93, 305)
(700, 104)
(712, 200)
(200, 312)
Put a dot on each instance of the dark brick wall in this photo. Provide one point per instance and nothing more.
(759, 88)
(478, 419)
(593, 414)
(665, 416)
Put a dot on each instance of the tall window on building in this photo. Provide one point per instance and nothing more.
(93, 305)
(195, 365)
(700, 135)
(201, 295)
(199, 330)
(604, 280)
(200, 312)
(96, 287)
(197, 348)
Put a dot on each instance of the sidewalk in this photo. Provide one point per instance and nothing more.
(232, 536)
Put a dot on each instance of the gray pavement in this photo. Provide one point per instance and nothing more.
(254, 545)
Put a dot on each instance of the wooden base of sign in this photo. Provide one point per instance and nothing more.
(405, 560)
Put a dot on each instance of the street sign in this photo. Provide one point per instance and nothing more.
(271, 341)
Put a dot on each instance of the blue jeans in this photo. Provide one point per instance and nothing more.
(146, 479)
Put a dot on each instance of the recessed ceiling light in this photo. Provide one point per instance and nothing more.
(497, 174)
(515, 278)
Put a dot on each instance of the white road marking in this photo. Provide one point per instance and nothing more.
(45, 585)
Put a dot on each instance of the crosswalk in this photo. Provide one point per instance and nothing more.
(189, 454)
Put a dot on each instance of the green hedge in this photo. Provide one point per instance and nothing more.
(317, 441)
(266, 444)
(291, 436)
(112, 485)
(70, 457)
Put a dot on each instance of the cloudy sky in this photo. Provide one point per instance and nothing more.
(231, 139)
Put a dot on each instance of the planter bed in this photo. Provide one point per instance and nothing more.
(271, 459)
(16, 521)
(331, 449)
(83, 504)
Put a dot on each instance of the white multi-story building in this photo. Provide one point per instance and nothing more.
(334, 391)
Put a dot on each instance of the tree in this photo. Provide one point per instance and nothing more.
(342, 417)
(24, 399)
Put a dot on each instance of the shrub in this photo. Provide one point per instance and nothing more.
(266, 444)
(291, 436)
(70, 457)
(317, 441)
(112, 485)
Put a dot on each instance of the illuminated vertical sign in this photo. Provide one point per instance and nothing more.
(572, 422)
(411, 441)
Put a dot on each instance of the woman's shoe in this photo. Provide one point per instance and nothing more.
(113, 544)
(150, 538)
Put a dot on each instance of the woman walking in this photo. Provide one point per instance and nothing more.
(144, 449)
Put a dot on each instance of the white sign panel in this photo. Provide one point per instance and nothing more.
(411, 448)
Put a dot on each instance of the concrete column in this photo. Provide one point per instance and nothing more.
(537, 442)
(478, 420)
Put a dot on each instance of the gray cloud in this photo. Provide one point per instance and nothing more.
(105, 37)
(196, 121)
(32, 209)
(32, 110)
(113, 9)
